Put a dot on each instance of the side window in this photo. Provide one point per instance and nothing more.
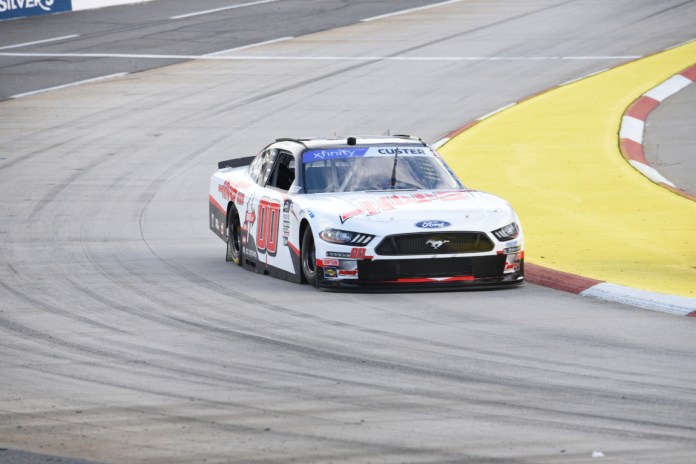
(255, 166)
(283, 173)
(261, 166)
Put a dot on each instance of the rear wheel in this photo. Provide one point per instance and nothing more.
(234, 237)
(309, 258)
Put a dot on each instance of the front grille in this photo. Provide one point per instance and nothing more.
(390, 270)
(431, 243)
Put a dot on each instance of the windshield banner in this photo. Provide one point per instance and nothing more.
(357, 152)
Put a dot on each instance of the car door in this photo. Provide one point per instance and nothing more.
(274, 175)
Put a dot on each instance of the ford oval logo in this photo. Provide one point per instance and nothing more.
(432, 224)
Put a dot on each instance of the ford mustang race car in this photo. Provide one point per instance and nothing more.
(362, 212)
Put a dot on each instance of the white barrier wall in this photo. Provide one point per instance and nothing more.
(13, 9)
(89, 4)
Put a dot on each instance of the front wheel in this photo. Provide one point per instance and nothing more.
(234, 237)
(309, 258)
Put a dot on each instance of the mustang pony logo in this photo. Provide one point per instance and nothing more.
(436, 244)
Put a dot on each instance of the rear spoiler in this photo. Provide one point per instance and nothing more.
(236, 162)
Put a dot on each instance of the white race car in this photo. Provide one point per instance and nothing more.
(362, 212)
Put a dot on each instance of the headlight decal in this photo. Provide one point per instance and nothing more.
(508, 232)
(344, 237)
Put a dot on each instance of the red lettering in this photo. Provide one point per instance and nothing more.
(369, 207)
(385, 204)
(267, 227)
(357, 253)
(345, 216)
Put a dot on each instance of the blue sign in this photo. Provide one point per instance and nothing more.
(10, 9)
(432, 224)
(333, 153)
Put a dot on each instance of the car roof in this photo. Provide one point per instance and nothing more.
(302, 144)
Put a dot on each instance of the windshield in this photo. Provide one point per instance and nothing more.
(354, 169)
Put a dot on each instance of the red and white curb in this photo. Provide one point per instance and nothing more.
(631, 145)
(633, 126)
(672, 304)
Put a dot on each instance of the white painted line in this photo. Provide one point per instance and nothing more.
(297, 58)
(584, 77)
(411, 10)
(440, 143)
(606, 57)
(72, 84)
(38, 42)
(225, 8)
(632, 129)
(668, 88)
(485, 116)
(244, 47)
(642, 298)
(105, 55)
(651, 173)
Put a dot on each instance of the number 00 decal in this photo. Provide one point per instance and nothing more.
(267, 226)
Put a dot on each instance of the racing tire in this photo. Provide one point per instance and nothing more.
(308, 258)
(234, 237)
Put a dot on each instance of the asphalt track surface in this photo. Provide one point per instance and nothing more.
(126, 337)
(670, 141)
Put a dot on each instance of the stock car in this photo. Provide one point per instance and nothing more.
(362, 212)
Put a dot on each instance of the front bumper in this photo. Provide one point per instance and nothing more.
(464, 272)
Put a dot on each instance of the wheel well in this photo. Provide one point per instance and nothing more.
(230, 206)
(303, 226)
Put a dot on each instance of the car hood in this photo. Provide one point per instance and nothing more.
(411, 211)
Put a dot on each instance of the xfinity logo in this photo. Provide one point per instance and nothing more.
(432, 224)
(436, 244)
(333, 153)
(341, 153)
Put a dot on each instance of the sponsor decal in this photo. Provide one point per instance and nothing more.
(510, 250)
(287, 206)
(436, 244)
(333, 153)
(404, 151)
(251, 253)
(328, 262)
(358, 253)
(230, 188)
(348, 272)
(433, 224)
(249, 220)
(330, 272)
(22, 8)
(337, 254)
(356, 152)
(378, 205)
(512, 263)
(240, 198)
